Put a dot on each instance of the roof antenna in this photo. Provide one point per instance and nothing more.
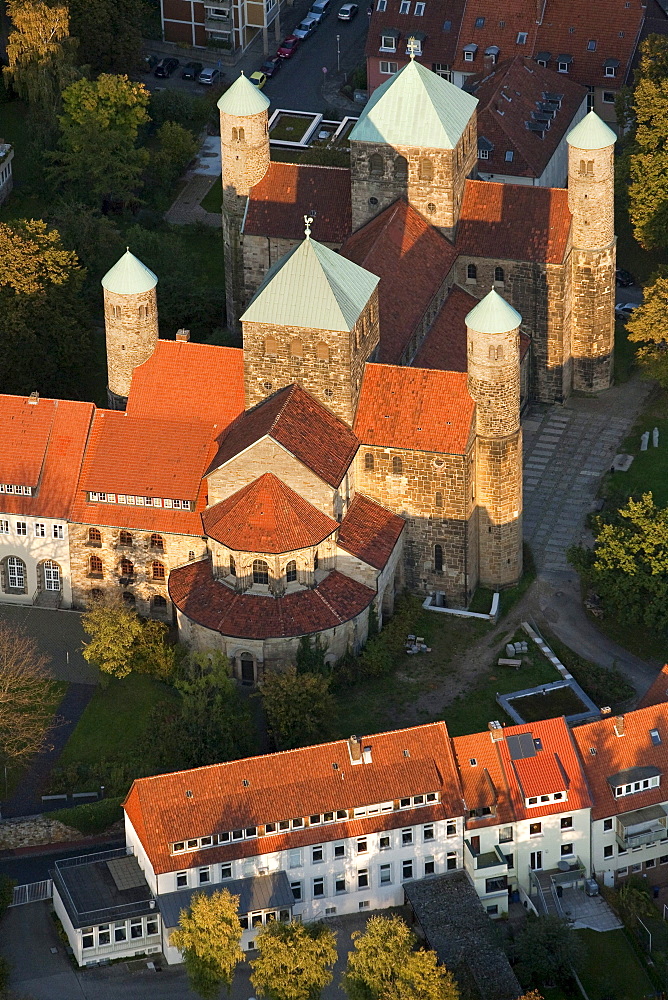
(308, 219)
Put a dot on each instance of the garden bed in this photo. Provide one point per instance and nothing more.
(293, 126)
(550, 703)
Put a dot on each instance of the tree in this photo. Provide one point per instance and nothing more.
(109, 33)
(40, 52)
(310, 657)
(649, 326)
(547, 951)
(208, 934)
(32, 257)
(26, 696)
(98, 156)
(648, 191)
(295, 961)
(177, 147)
(95, 238)
(629, 563)
(299, 707)
(121, 642)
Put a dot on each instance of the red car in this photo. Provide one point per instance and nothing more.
(289, 46)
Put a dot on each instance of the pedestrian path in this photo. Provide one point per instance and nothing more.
(186, 209)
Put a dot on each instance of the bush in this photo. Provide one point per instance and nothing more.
(91, 817)
(6, 892)
(604, 685)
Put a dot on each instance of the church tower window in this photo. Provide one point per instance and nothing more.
(426, 170)
(322, 351)
(438, 558)
(270, 345)
(368, 462)
(260, 571)
(296, 348)
(291, 571)
(397, 465)
(376, 165)
(401, 168)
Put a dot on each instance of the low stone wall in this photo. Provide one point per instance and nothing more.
(34, 830)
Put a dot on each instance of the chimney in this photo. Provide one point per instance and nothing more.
(183, 335)
(619, 725)
(355, 750)
(495, 731)
(33, 398)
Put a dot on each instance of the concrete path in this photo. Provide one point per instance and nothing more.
(186, 209)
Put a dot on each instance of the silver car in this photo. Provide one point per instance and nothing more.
(306, 27)
(209, 77)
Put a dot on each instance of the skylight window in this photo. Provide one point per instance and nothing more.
(655, 737)
(480, 22)
(473, 762)
(591, 45)
(522, 37)
(510, 155)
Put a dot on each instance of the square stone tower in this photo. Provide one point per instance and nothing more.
(416, 139)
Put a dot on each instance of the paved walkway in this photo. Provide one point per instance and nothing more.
(186, 209)
(590, 912)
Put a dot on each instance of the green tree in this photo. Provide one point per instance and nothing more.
(208, 934)
(40, 52)
(299, 707)
(98, 156)
(177, 147)
(295, 961)
(109, 33)
(648, 326)
(95, 238)
(648, 190)
(547, 951)
(121, 642)
(185, 109)
(310, 657)
(629, 563)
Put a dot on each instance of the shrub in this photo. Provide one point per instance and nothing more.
(91, 817)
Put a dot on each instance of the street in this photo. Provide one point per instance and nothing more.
(298, 85)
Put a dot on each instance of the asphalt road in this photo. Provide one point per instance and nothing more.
(298, 85)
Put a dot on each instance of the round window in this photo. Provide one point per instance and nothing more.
(329, 393)
(431, 208)
(373, 201)
(438, 463)
(267, 385)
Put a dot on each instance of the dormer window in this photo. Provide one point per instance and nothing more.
(470, 51)
(564, 63)
(634, 780)
(611, 66)
(544, 800)
(543, 58)
(388, 43)
(414, 46)
(492, 52)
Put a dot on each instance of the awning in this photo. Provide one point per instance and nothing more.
(639, 816)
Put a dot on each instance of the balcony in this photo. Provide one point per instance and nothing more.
(485, 861)
(641, 827)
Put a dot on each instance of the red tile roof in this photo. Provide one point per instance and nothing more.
(295, 783)
(370, 531)
(267, 516)
(396, 243)
(514, 222)
(444, 347)
(334, 601)
(202, 383)
(496, 780)
(657, 693)
(503, 122)
(619, 753)
(299, 423)
(289, 191)
(42, 446)
(439, 45)
(414, 408)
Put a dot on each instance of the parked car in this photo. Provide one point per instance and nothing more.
(316, 15)
(191, 70)
(166, 67)
(348, 11)
(258, 79)
(624, 309)
(209, 76)
(320, 7)
(624, 278)
(288, 47)
(306, 27)
(148, 63)
(271, 67)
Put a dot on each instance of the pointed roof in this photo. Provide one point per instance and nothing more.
(591, 133)
(370, 531)
(312, 287)
(267, 516)
(129, 276)
(415, 108)
(493, 315)
(243, 99)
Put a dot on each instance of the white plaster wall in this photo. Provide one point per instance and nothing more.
(33, 550)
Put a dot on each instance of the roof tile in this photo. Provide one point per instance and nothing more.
(370, 531)
(288, 191)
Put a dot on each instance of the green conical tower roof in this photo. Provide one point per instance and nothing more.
(312, 286)
(591, 133)
(415, 108)
(129, 276)
(493, 315)
(243, 99)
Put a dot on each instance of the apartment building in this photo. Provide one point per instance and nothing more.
(226, 25)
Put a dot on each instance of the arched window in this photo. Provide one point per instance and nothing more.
(438, 558)
(401, 168)
(316, 561)
(233, 566)
(368, 462)
(157, 542)
(143, 312)
(270, 345)
(322, 351)
(158, 570)
(291, 571)
(116, 312)
(296, 348)
(397, 466)
(472, 272)
(439, 499)
(496, 353)
(51, 575)
(127, 567)
(95, 566)
(260, 571)
(129, 598)
(125, 538)
(586, 168)
(94, 536)
(235, 135)
(499, 274)
(16, 573)
(247, 665)
(426, 170)
(158, 601)
(376, 165)
(242, 135)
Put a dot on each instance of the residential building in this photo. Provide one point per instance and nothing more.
(6, 175)
(221, 25)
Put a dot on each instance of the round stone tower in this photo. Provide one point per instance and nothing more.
(592, 269)
(131, 323)
(244, 146)
(493, 337)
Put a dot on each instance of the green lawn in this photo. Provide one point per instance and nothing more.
(107, 744)
(560, 701)
(649, 470)
(625, 354)
(290, 128)
(612, 969)
(212, 201)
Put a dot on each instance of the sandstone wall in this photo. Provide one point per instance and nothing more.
(131, 326)
(260, 253)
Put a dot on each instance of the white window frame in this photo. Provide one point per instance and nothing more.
(385, 874)
(388, 43)
(405, 7)
(563, 67)
(469, 56)
(22, 528)
(483, 154)
(381, 5)
(388, 68)
(4, 527)
(57, 531)
(610, 71)
(419, 9)
(522, 37)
